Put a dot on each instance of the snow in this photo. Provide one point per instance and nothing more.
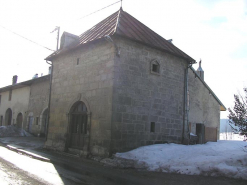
(11, 131)
(222, 158)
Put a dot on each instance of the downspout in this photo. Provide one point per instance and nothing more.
(185, 133)
(49, 102)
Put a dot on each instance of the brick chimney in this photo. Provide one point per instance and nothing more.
(14, 80)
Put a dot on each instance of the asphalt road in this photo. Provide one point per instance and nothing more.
(19, 169)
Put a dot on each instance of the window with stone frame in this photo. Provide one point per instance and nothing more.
(155, 67)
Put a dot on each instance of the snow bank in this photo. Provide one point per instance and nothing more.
(11, 131)
(222, 158)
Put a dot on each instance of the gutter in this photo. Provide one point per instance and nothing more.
(49, 103)
(185, 133)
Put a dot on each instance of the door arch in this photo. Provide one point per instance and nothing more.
(19, 120)
(78, 126)
(8, 116)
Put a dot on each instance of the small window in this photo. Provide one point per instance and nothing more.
(155, 67)
(1, 121)
(10, 94)
(78, 61)
(37, 120)
(152, 127)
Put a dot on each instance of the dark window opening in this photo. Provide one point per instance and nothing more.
(10, 94)
(1, 121)
(37, 120)
(78, 60)
(155, 68)
(152, 127)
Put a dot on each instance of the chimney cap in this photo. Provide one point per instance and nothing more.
(14, 79)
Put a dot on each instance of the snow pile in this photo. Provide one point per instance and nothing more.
(222, 158)
(11, 131)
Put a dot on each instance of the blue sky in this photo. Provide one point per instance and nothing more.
(214, 31)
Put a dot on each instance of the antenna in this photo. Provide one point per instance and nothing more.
(121, 3)
(58, 30)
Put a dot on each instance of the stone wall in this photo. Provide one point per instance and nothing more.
(85, 74)
(38, 103)
(204, 108)
(141, 97)
(18, 103)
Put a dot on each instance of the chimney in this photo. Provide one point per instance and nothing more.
(49, 71)
(200, 71)
(14, 79)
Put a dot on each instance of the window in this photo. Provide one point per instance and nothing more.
(152, 127)
(10, 94)
(155, 67)
(78, 60)
(37, 120)
(1, 121)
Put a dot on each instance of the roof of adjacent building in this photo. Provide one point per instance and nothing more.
(24, 84)
(123, 24)
(222, 106)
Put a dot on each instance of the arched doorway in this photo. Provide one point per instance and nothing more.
(44, 119)
(78, 126)
(19, 120)
(8, 116)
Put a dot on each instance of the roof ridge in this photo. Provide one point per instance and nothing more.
(117, 22)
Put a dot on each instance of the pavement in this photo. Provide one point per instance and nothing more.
(87, 171)
(26, 146)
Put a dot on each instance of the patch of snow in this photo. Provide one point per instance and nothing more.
(12, 131)
(222, 158)
(193, 134)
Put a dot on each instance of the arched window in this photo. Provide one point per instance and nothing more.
(155, 67)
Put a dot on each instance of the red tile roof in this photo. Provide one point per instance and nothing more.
(123, 24)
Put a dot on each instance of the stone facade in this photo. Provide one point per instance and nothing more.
(27, 108)
(18, 104)
(204, 108)
(141, 97)
(38, 105)
(128, 104)
(86, 75)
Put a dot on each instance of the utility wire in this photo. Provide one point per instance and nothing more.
(25, 38)
(100, 9)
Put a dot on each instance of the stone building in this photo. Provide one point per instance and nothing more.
(25, 104)
(120, 85)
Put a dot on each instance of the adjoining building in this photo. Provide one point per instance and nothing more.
(25, 104)
(120, 85)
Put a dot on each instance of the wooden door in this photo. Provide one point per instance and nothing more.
(78, 130)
